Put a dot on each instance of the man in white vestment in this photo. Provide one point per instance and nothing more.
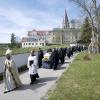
(11, 76)
(32, 65)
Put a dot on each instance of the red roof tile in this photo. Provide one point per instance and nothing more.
(24, 39)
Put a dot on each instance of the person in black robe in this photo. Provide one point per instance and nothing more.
(54, 58)
(65, 51)
(69, 52)
(61, 55)
(40, 57)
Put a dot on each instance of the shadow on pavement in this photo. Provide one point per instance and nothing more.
(46, 79)
(37, 84)
(61, 68)
(31, 87)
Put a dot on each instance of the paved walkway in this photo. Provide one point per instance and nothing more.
(48, 77)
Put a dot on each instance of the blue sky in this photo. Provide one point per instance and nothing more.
(21, 16)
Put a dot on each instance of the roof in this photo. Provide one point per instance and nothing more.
(40, 32)
(66, 30)
(24, 39)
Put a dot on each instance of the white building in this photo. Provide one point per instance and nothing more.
(33, 44)
(37, 38)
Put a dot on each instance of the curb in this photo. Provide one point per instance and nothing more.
(45, 97)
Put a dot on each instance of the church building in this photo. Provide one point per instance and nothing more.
(69, 33)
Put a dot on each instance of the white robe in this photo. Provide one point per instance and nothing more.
(11, 77)
(33, 67)
(9, 82)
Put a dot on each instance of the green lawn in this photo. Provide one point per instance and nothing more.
(25, 50)
(80, 82)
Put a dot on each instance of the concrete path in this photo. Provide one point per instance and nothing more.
(48, 77)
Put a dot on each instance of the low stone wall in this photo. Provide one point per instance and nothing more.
(20, 69)
(20, 60)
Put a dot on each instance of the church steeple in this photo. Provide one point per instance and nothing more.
(65, 21)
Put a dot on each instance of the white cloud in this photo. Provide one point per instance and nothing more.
(19, 16)
(4, 38)
(49, 2)
(21, 22)
(5, 33)
(15, 17)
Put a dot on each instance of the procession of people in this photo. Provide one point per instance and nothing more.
(49, 60)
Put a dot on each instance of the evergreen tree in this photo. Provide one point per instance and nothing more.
(13, 40)
(86, 32)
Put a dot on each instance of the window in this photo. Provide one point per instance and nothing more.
(32, 43)
(36, 43)
(42, 44)
(29, 43)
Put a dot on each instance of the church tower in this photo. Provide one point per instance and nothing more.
(65, 21)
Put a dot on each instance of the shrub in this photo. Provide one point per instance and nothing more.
(87, 57)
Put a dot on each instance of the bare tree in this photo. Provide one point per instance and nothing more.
(90, 7)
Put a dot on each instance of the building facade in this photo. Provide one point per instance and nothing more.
(69, 33)
(66, 36)
(37, 38)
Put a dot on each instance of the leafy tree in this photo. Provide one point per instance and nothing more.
(86, 31)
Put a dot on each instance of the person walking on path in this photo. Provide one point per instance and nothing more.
(32, 65)
(11, 76)
(40, 57)
(54, 58)
(61, 55)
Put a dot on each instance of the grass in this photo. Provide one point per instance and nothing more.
(80, 82)
(27, 50)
